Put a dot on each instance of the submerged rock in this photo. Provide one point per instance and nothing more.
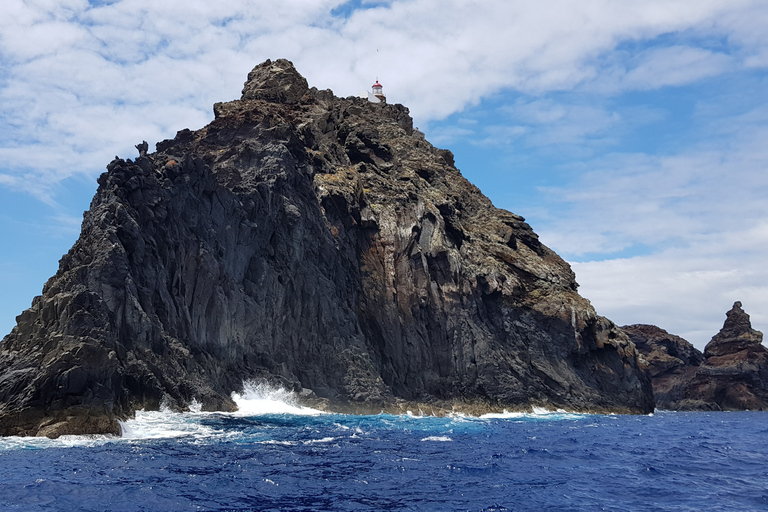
(313, 242)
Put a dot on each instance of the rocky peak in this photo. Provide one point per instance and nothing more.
(317, 243)
(736, 335)
(277, 81)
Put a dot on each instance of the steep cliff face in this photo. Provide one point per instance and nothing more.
(731, 374)
(672, 362)
(318, 243)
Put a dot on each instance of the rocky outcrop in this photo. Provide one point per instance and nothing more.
(731, 374)
(735, 374)
(736, 336)
(672, 362)
(318, 243)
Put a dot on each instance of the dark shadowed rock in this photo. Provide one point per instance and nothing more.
(313, 242)
(672, 362)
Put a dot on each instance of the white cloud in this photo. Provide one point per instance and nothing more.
(450, 134)
(68, 60)
(560, 123)
(679, 291)
(666, 66)
(717, 187)
(701, 218)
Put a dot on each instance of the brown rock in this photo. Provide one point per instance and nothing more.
(732, 374)
(735, 373)
(672, 362)
(275, 81)
(735, 336)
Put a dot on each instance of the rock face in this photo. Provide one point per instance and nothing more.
(735, 374)
(672, 362)
(736, 336)
(314, 242)
(731, 374)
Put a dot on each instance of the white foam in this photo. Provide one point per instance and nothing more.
(537, 412)
(195, 406)
(21, 443)
(259, 399)
(164, 424)
(281, 443)
(255, 400)
(319, 441)
(503, 415)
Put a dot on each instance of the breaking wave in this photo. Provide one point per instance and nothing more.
(263, 410)
(259, 398)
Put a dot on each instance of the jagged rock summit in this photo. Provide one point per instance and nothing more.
(734, 375)
(736, 335)
(731, 374)
(275, 82)
(313, 242)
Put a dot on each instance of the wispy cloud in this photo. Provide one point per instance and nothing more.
(700, 218)
(684, 292)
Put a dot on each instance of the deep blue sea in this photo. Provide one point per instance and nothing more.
(274, 455)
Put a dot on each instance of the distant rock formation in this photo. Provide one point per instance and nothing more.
(735, 374)
(317, 243)
(672, 362)
(736, 336)
(731, 374)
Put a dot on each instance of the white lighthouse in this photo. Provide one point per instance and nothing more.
(377, 93)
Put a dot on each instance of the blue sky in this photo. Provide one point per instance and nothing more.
(632, 136)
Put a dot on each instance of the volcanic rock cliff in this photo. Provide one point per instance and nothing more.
(731, 374)
(314, 242)
(672, 362)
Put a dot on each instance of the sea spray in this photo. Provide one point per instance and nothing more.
(259, 398)
(256, 399)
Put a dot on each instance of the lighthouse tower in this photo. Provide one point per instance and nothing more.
(377, 92)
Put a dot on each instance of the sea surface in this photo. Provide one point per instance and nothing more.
(275, 455)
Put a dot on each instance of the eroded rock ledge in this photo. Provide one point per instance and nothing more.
(318, 243)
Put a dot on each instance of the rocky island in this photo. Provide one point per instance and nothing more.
(317, 243)
(731, 374)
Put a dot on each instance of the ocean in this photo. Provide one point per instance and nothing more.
(273, 455)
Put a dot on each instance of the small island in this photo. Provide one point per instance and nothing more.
(316, 243)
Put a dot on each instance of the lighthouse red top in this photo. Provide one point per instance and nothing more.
(377, 84)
